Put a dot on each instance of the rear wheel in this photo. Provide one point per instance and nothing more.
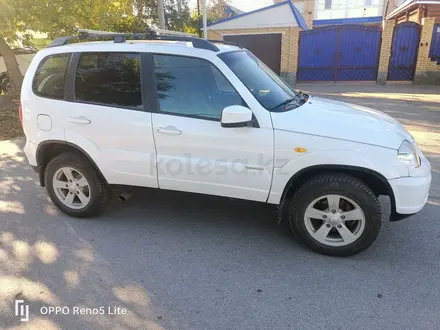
(335, 215)
(74, 185)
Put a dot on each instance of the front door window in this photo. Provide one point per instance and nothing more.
(192, 87)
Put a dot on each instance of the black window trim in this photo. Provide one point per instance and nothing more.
(73, 66)
(71, 70)
(155, 103)
(65, 76)
(148, 81)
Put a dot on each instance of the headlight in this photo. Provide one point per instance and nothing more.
(407, 153)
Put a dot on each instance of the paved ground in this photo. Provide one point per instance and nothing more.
(177, 261)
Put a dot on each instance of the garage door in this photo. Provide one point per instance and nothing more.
(267, 47)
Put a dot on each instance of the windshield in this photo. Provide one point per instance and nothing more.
(269, 89)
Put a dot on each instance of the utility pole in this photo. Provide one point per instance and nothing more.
(161, 14)
(199, 30)
(205, 22)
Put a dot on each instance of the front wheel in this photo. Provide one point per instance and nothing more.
(335, 215)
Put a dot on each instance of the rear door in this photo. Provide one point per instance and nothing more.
(108, 116)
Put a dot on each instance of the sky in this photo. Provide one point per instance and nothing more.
(245, 5)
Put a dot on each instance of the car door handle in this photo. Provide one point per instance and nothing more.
(79, 120)
(168, 130)
(254, 168)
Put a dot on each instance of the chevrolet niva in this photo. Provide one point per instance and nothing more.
(182, 113)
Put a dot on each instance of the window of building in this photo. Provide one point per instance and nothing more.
(328, 4)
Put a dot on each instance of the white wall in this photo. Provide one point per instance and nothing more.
(348, 9)
(273, 17)
(300, 5)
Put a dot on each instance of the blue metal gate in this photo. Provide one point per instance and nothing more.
(434, 51)
(339, 53)
(404, 49)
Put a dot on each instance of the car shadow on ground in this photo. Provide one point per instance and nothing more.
(177, 246)
(162, 250)
(45, 263)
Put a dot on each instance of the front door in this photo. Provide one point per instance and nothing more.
(196, 154)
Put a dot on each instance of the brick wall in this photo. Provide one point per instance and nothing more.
(427, 71)
(415, 16)
(289, 46)
(385, 51)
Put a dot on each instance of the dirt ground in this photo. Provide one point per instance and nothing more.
(10, 126)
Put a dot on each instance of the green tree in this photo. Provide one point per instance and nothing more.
(216, 10)
(62, 17)
(58, 18)
(192, 25)
(176, 14)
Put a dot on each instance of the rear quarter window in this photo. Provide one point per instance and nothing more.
(50, 77)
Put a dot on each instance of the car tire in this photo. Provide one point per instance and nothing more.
(73, 176)
(312, 207)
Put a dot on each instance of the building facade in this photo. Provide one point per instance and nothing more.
(330, 12)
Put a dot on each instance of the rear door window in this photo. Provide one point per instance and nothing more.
(49, 80)
(111, 79)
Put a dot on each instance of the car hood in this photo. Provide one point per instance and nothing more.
(344, 121)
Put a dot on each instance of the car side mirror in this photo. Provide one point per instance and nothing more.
(236, 116)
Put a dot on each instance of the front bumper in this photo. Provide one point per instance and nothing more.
(410, 194)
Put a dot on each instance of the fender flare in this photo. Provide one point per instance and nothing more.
(333, 168)
(41, 166)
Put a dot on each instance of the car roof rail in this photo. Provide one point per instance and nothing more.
(150, 34)
(226, 42)
(62, 41)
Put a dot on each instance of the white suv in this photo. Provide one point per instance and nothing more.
(182, 113)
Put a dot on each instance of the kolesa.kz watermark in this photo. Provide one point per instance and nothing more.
(22, 310)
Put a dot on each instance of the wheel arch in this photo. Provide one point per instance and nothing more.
(49, 149)
(376, 181)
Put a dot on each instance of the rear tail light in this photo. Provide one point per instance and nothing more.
(20, 113)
